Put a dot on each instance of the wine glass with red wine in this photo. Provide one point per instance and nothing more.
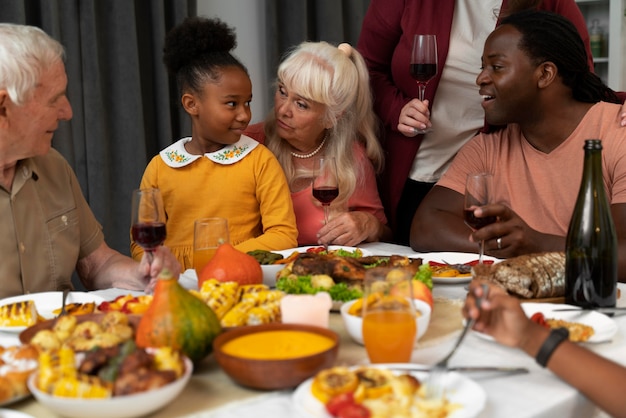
(148, 220)
(423, 65)
(325, 184)
(478, 192)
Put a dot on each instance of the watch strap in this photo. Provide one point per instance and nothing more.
(556, 337)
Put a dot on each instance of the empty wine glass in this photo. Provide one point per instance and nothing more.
(325, 184)
(423, 66)
(148, 220)
(478, 192)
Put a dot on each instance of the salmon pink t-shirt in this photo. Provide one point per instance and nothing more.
(542, 188)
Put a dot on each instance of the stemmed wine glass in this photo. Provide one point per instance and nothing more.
(325, 184)
(148, 220)
(423, 65)
(478, 192)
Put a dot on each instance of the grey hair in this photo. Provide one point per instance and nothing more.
(25, 52)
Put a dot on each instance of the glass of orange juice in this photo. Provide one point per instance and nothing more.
(389, 325)
(208, 234)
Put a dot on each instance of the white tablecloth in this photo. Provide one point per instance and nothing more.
(536, 394)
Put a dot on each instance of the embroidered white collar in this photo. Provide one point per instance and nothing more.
(176, 156)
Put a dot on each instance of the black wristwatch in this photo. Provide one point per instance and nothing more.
(556, 337)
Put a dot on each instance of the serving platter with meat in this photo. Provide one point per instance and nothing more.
(340, 272)
(348, 269)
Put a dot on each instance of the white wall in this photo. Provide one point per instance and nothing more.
(248, 19)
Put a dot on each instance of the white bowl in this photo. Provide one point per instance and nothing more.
(269, 273)
(354, 323)
(128, 406)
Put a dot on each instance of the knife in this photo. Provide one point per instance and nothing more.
(620, 310)
(463, 369)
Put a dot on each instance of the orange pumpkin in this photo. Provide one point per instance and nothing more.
(231, 265)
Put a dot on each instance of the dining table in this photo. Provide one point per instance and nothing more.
(210, 392)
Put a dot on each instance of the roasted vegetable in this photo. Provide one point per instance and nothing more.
(265, 257)
(179, 320)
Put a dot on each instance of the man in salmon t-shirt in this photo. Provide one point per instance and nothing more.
(535, 80)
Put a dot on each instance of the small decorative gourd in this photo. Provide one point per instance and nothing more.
(178, 319)
(231, 265)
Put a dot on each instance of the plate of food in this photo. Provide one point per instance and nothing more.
(18, 362)
(454, 268)
(584, 326)
(465, 398)
(19, 312)
(339, 271)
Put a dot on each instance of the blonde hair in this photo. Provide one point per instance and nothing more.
(338, 79)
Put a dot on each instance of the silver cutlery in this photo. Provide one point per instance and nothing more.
(435, 382)
(461, 369)
(616, 310)
(63, 310)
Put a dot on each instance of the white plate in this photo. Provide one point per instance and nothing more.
(9, 413)
(13, 400)
(453, 258)
(460, 389)
(135, 405)
(603, 326)
(47, 302)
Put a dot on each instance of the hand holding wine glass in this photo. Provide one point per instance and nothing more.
(148, 220)
(478, 192)
(423, 66)
(325, 184)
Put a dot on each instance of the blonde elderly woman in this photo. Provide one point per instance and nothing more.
(323, 107)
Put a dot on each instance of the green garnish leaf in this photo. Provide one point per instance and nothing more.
(425, 275)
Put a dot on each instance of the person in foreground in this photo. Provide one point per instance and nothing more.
(217, 172)
(535, 78)
(48, 230)
(501, 316)
(323, 107)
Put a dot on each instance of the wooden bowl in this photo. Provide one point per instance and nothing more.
(273, 374)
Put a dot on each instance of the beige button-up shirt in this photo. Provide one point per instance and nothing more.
(46, 227)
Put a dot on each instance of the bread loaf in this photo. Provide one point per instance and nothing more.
(540, 275)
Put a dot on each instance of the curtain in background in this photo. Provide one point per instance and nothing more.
(125, 107)
(290, 22)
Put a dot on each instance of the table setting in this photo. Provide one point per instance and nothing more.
(488, 380)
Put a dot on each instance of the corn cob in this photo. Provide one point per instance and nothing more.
(223, 297)
(87, 387)
(166, 358)
(17, 314)
(263, 314)
(251, 288)
(263, 297)
(254, 308)
(237, 315)
(46, 371)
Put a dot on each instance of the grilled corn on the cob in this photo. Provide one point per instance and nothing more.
(18, 314)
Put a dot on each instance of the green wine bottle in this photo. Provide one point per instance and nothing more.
(591, 245)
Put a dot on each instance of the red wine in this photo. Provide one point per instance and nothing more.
(477, 223)
(325, 194)
(148, 235)
(422, 73)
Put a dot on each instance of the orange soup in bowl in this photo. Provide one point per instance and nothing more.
(278, 345)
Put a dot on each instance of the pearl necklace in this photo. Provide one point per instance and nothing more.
(312, 153)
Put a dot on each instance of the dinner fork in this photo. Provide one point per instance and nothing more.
(66, 292)
(435, 382)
